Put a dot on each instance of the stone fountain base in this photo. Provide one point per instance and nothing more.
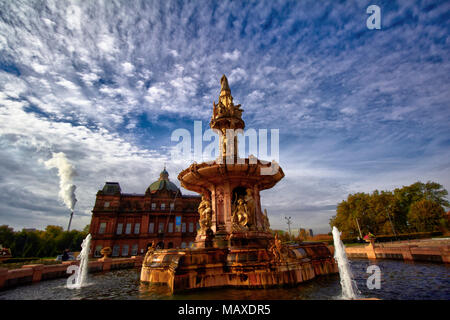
(237, 266)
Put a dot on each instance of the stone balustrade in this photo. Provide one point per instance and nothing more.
(403, 251)
(39, 272)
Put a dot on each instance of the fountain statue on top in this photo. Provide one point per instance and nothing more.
(234, 245)
(81, 271)
(349, 287)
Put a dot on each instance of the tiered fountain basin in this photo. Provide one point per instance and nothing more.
(236, 267)
(220, 180)
(245, 172)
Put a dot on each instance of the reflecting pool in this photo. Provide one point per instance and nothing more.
(399, 280)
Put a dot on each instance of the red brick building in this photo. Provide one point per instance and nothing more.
(129, 223)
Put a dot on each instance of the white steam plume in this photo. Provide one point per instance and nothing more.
(65, 172)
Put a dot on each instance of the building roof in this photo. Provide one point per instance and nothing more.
(111, 188)
(163, 183)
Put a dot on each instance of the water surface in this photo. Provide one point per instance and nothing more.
(399, 280)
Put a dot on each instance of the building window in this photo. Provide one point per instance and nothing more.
(106, 204)
(153, 206)
(116, 250)
(128, 229)
(172, 206)
(134, 249)
(191, 227)
(97, 252)
(137, 228)
(177, 223)
(191, 244)
(102, 228)
(119, 228)
(161, 227)
(125, 250)
(170, 226)
(151, 227)
(163, 206)
(183, 245)
(183, 227)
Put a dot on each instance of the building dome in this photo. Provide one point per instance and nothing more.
(163, 183)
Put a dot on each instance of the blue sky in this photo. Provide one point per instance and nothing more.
(106, 82)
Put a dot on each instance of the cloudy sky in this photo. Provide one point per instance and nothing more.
(107, 82)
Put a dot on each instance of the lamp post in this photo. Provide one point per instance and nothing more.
(392, 226)
(359, 229)
(288, 221)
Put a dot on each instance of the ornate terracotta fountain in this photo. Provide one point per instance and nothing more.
(234, 245)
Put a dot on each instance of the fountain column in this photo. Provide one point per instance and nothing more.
(349, 288)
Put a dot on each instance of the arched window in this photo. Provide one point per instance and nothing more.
(125, 248)
(116, 250)
(97, 251)
(238, 193)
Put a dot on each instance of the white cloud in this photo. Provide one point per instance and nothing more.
(69, 85)
(256, 96)
(39, 68)
(184, 85)
(73, 17)
(89, 78)
(48, 22)
(11, 86)
(232, 55)
(107, 44)
(79, 102)
(128, 68)
(349, 110)
(156, 94)
(174, 53)
(237, 75)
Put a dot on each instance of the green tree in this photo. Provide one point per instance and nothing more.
(26, 244)
(282, 235)
(353, 212)
(426, 216)
(7, 236)
(303, 235)
(86, 229)
(385, 212)
(48, 243)
(50, 237)
(408, 195)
